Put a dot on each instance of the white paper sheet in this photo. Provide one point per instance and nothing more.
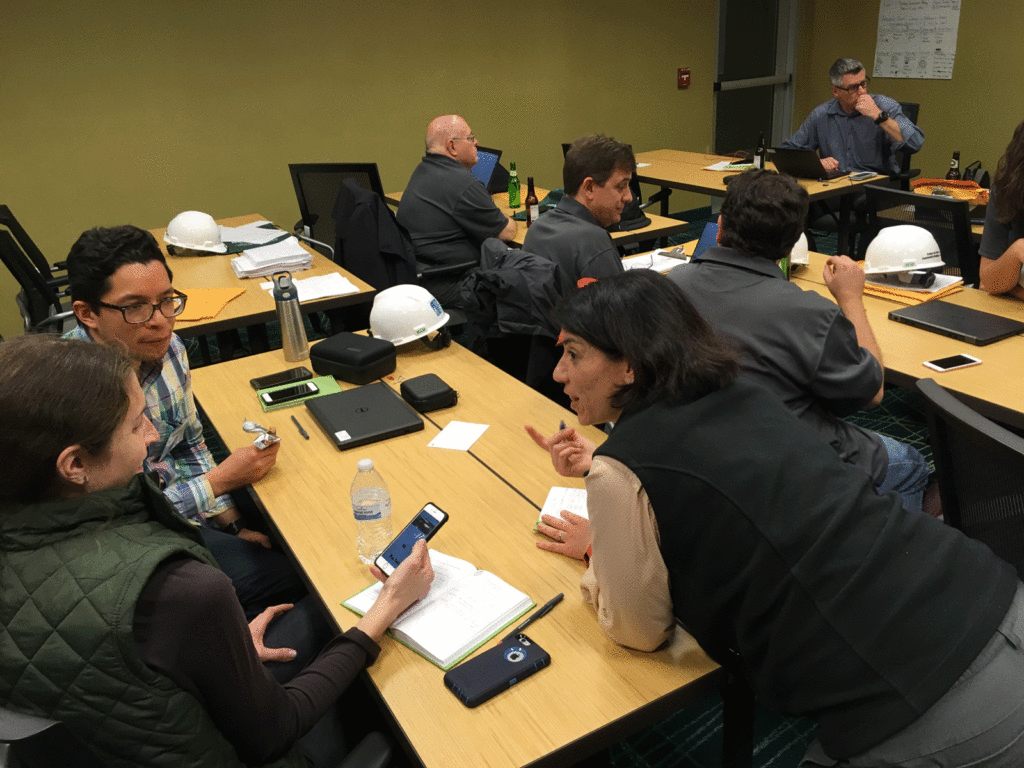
(458, 436)
(320, 286)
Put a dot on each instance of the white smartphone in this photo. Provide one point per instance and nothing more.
(423, 526)
(952, 363)
(290, 393)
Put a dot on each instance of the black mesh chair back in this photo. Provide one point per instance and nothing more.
(39, 300)
(7, 219)
(980, 468)
(316, 189)
(906, 173)
(948, 220)
(38, 742)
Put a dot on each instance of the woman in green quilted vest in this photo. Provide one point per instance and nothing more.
(114, 619)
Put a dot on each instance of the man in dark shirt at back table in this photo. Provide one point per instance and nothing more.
(446, 210)
(596, 176)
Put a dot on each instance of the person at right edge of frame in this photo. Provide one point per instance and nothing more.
(1002, 243)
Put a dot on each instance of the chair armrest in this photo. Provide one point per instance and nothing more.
(447, 269)
(373, 751)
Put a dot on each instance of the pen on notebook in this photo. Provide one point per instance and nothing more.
(543, 611)
(302, 432)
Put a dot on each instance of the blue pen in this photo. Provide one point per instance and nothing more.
(561, 425)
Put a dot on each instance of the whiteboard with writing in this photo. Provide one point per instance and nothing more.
(917, 38)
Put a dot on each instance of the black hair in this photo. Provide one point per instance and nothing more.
(644, 318)
(99, 252)
(55, 393)
(598, 157)
(763, 214)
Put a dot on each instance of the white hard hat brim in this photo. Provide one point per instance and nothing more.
(444, 318)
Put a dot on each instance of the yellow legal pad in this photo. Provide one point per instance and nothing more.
(207, 303)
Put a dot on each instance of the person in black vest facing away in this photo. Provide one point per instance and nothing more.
(711, 504)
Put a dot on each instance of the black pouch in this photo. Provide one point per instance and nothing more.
(353, 358)
(428, 393)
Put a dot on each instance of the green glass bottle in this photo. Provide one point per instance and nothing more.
(513, 186)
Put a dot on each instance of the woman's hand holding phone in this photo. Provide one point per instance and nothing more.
(410, 582)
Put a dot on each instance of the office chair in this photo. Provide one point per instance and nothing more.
(948, 220)
(316, 189)
(39, 742)
(980, 469)
(906, 173)
(7, 219)
(42, 304)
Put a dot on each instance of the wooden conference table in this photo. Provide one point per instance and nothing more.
(593, 694)
(677, 169)
(660, 226)
(993, 388)
(256, 305)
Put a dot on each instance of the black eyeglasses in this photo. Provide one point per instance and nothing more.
(856, 86)
(136, 314)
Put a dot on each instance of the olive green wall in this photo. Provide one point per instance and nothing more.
(120, 112)
(975, 112)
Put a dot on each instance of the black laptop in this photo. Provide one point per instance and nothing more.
(802, 163)
(363, 415)
(970, 325)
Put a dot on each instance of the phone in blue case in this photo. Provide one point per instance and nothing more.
(497, 669)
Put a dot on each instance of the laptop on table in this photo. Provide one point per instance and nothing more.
(486, 162)
(363, 415)
(802, 163)
(963, 323)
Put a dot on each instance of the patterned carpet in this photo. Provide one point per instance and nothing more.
(692, 737)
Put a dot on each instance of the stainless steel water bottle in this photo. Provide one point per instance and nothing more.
(293, 332)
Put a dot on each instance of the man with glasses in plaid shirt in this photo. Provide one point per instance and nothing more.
(855, 130)
(122, 296)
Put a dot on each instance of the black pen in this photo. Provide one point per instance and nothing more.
(544, 610)
(561, 425)
(302, 432)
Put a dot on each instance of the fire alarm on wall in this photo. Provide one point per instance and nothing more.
(683, 77)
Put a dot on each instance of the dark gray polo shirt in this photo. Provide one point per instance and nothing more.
(571, 237)
(796, 343)
(448, 214)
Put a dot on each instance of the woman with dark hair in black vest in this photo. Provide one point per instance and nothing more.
(711, 505)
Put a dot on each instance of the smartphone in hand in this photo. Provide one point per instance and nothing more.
(426, 523)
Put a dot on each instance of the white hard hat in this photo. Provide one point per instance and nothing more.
(404, 313)
(799, 253)
(902, 248)
(195, 231)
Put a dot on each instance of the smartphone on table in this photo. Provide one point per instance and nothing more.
(495, 670)
(426, 523)
(288, 394)
(952, 363)
(300, 373)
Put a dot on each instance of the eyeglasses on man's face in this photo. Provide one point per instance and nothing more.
(856, 86)
(471, 138)
(135, 314)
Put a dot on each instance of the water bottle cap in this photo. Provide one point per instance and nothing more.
(365, 465)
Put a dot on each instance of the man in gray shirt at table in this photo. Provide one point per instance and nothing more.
(446, 210)
(596, 176)
(820, 357)
(855, 130)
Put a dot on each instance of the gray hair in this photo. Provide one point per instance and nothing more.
(843, 67)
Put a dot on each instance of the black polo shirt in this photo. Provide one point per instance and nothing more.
(795, 343)
(448, 214)
(570, 236)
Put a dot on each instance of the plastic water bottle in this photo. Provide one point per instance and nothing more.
(371, 505)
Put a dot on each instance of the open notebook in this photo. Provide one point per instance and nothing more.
(464, 609)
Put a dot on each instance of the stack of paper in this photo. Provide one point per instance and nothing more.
(659, 260)
(906, 293)
(256, 233)
(286, 255)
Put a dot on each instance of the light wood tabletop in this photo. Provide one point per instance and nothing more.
(660, 226)
(593, 694)
(255, 305)
(992, 388)
(678, 169)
